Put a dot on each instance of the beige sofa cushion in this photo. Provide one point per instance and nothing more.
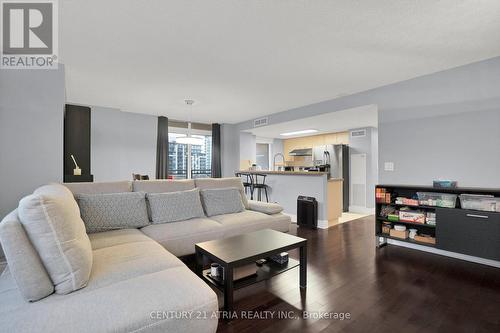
(179, 238)
(211, 183)
(24, 262)
(126, 306)
(120, 262)
(248, 221)
(52, 222)
(265, 207)
(163, 185)
(100, 240)
(100, 187)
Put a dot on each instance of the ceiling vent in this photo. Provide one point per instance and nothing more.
(358, 133)
(261, 122)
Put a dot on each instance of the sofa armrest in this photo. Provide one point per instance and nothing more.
(265, 207)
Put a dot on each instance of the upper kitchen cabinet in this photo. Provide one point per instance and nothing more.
(312, 141)
(343, 138)
(330, 139)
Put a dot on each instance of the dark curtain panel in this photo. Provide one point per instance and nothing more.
(162, 149)
(216, 154)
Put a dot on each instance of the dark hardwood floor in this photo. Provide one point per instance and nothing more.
(392, 289)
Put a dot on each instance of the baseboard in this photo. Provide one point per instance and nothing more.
(361, 210)
(292, 216)
(465, 257)
(322, 224)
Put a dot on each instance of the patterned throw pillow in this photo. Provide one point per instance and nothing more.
(175, 206)
(111, 211)
(222, 201)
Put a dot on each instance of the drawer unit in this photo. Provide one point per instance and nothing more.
(470, 232)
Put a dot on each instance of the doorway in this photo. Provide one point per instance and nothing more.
(262, 155)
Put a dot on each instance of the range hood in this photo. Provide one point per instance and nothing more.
(301, 152)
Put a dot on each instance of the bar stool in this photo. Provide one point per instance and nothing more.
(247, 181)
(136, 176)
(259, 183)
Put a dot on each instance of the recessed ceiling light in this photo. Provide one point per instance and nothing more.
(308, 131)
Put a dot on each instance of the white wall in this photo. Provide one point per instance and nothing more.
(367, 145)
(277, 147)
(248, 147)
(31, 132)
(122, 143)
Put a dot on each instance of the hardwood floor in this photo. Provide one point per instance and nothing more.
(392, 289)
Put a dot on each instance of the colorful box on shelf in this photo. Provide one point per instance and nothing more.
(406, 201)
(393, 217)
(411, 216)
(382, 196)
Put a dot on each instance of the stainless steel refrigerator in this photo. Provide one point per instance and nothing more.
(334, 159)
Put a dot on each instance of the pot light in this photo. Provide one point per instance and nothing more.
(307, 131)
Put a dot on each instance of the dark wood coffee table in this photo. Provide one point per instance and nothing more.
(244, 249)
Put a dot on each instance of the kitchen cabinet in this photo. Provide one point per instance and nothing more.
(470, 232)
(343, 138)
(312, 141)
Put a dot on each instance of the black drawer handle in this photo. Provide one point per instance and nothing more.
(478, 216)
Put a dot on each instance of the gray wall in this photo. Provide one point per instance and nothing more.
(463, 147)
(31, 132)
(276, 147)
(421, 106)
(122, 143)
(230, 149)
(248, 147)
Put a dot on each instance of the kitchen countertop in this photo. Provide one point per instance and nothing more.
(292, 173)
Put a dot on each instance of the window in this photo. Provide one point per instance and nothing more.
(199, 165)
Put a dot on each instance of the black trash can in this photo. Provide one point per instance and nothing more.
(307, 212)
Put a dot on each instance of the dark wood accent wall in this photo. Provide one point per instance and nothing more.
(77, 141)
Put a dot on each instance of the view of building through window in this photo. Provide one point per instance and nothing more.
(201, 157)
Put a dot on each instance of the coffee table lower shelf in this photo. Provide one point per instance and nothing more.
(265, 272)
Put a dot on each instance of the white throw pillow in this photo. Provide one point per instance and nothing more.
(52, 221)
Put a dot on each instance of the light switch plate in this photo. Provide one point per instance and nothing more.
(389, 166)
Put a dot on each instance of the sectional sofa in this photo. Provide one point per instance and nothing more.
(127, 277)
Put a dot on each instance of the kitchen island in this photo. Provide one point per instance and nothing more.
(285, 186)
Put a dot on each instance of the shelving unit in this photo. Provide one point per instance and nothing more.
(471, 232)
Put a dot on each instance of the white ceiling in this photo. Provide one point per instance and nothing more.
(339, 121)
(240, 59)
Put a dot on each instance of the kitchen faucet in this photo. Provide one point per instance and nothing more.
(274, 159)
